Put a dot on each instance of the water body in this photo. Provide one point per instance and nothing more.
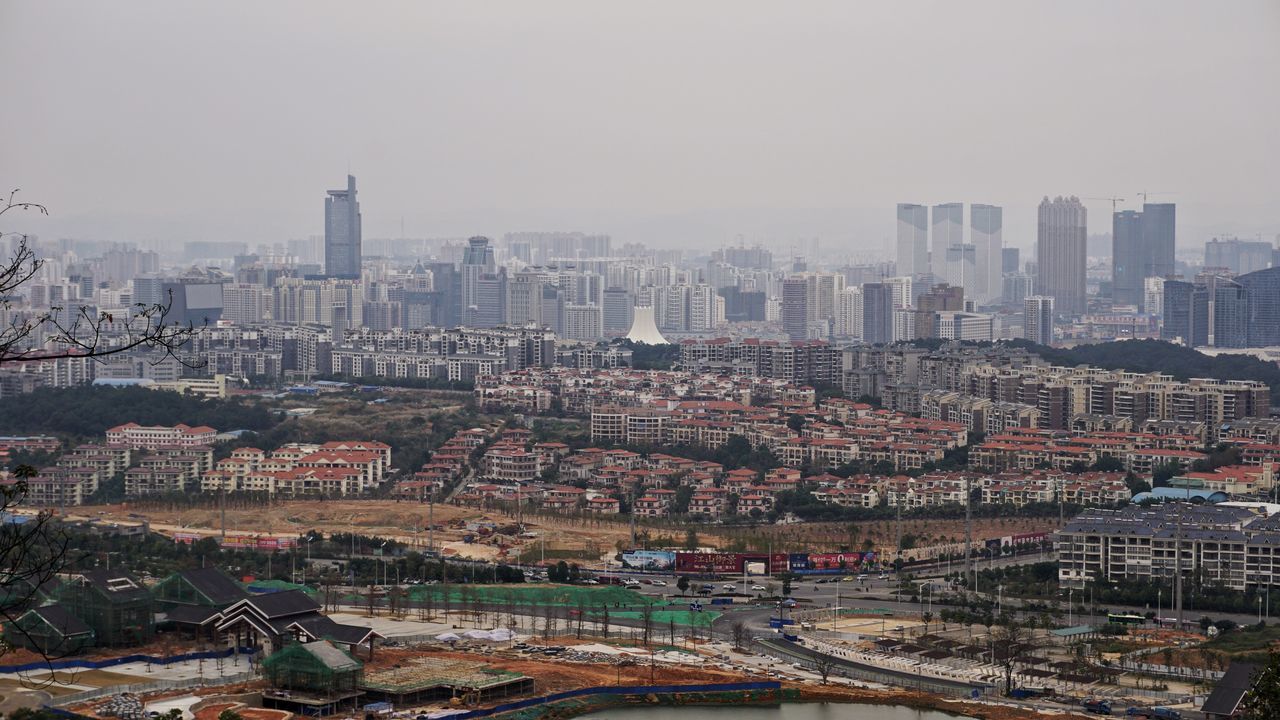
(786, 711)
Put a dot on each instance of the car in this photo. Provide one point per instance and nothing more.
(729, 587)
(788, 603)
(759, 588)
(862, 577)
(704, 591)
(847, 578)
(647, 581)
(659, 583)
(631, 583)
(884, 576)
(591, 581)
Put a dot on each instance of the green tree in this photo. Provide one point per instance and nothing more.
(682, 584)
(1262, 702)
(691, 539)
(1162, 473)
(1108, 463)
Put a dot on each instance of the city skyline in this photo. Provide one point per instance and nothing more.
(678, 179)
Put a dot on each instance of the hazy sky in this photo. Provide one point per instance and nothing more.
(673, 123)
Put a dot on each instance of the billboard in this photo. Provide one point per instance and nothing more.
(1030, 538)
(254, 542)
(835, 562)
(709, 563)
(662, 560)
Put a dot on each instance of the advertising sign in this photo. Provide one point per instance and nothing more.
(660, 560)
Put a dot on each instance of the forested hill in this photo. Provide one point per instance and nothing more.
(1159, 356)
(88, 410)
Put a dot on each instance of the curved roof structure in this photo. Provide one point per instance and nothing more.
(1161, 494)
(644, 329)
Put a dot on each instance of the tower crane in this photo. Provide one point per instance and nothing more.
(1113, 201)
(1145, 194)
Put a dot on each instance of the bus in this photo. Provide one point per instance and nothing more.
(1125, 619)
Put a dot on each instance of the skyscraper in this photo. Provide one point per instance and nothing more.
(1159, 237)
(986, 223)
(1126, 258)
(913, 239)
(1176, 325)
(1263, 288)
(948, 231)
(877, 313)
(795, 307)
(1141, 247)
(1239, 256)
(1038, 319)
(342, 232)
(477, 261)
(1060, 253)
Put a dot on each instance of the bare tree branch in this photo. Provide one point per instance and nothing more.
(83, 331)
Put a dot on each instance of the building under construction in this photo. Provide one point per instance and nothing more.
(426, 679)
(313, 678)
(113, 603)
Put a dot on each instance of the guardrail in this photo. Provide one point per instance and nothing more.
(843, 667)
(112, 662)
(620, 690)
(153, 686)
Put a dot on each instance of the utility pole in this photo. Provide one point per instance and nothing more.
(431, 519)
(633, 517)
(899, 542)
(222, 498)
(1177, 565)
(970, 568)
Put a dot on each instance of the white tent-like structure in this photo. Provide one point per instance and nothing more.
(644, 329)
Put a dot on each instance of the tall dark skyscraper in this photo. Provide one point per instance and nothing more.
(1177, 311)
(1214, 311)
(877, 312)
(1141, 247)
(342, 232)
(795, 307)
(1060, 254)
(1263, 292)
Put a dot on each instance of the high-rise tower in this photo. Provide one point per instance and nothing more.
(948, 231)
(1141, 247)
(342, 232)
(986, 223)
(1060, 253)
(913, 239)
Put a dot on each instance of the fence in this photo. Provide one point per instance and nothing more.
(112, 662)
(772, 686)
(846, 668)
(153, 686)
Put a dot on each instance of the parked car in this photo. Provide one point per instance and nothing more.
(1097, 707)
(759, 588)
(659, 583)
(728, 587)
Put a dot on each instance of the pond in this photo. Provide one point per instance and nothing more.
(786, 711)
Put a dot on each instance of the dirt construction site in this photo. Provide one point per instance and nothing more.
(584, 539)
(404, 521)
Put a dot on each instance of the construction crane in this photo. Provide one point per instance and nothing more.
(1113, 200)
(1145, 194)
